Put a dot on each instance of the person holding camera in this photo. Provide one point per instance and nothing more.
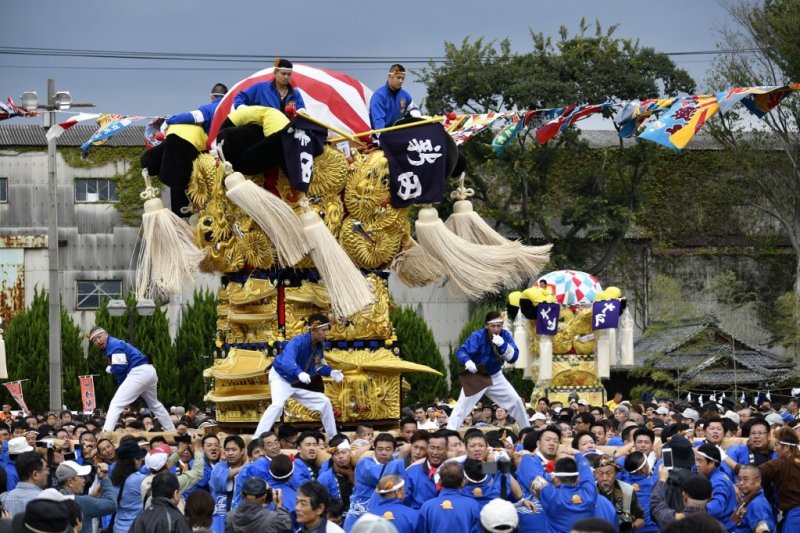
(72, 479)
(253, 514)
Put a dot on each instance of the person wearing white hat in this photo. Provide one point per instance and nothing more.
(537, 419)
(499, 516)
(491, 347)
(71, 481)
(16, 446)
(134, 374)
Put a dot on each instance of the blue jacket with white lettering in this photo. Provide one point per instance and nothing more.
(133, 358)
(481, 350)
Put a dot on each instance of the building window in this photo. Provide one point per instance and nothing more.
(3, 190)
(94, 190)
(91, 293)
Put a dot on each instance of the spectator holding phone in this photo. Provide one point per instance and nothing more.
(253, 514)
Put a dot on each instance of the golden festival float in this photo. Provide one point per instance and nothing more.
(569, 332)
(284, 253)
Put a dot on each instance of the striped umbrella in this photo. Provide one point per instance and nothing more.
(332, 97)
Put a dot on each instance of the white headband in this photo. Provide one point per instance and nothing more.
(283, 477)
(495, 321)
(644, 462)
(96, 334)
(392, 488)
(706, 456)
(564, 474)
(474, 481)
(344, 445)
(788, 443)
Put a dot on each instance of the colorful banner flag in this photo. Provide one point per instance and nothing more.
(631, 116)
(15, 389)
(417, 164)
(9, 110)
(110, 125)
(55, 131)
(682, 122)
(302, 142)
(571, 114)
(87, 393)
(507, 134)
(605, 314)
(474, 124)
(547, 318)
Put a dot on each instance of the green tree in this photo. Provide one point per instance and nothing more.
(27, 352)
(194, 344)
(518, 190)
(419, 346)
(762, 49)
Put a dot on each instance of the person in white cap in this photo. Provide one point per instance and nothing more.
(492, 347)
(71, 482)
(134, 374)
(16, 446)
(499, 516)
(302, 358)
(537, 419)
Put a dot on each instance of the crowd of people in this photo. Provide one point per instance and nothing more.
(659, 466)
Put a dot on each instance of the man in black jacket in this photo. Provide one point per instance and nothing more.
(163, 515)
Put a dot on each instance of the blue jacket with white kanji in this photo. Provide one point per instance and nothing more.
(133, 358)
(481, 350)
(299, 356)
(266, 94)
(222, 492)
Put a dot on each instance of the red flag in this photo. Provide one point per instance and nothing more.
(15, 388)
(87, 393)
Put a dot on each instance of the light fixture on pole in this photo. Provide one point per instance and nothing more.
(118, 308)
(56, 101)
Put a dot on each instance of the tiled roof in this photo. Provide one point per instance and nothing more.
(660, 339)
(32, 135)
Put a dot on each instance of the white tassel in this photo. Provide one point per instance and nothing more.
(626, 338)
(603, 354)
(475, 269)
(348, 289)
(415, 267)
(700, 400)
(168, 257)
(467, 224)
(689, 397)
(743, 399)
(275, 218)
(612, 347)
(471, 227)
(520, 333)
(3, 369)
(545, 359)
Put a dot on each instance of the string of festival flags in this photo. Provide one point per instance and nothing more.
(87, 393)
(670, 122)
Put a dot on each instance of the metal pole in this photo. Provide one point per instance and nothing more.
(54, 344)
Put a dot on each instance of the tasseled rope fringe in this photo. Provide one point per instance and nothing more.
(348, 290)
(468, 225)
(168, 256)
(415, 267)
(275, 218)
(475, 269)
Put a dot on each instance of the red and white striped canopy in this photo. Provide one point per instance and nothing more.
(332, 97)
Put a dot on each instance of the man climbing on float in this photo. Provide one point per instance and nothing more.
(489, 348)
(298, 363)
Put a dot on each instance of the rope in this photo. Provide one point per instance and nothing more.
(304, 203)
(461, 192)
(149, 192)
(221, 156)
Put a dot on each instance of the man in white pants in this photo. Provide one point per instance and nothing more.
(135, 376)
(303, 357)
(491, 346)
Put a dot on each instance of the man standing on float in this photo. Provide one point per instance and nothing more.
(492, 347)
(302, 358)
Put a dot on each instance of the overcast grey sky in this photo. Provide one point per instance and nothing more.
(410, 28)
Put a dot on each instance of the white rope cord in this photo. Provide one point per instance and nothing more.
(461, 192)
